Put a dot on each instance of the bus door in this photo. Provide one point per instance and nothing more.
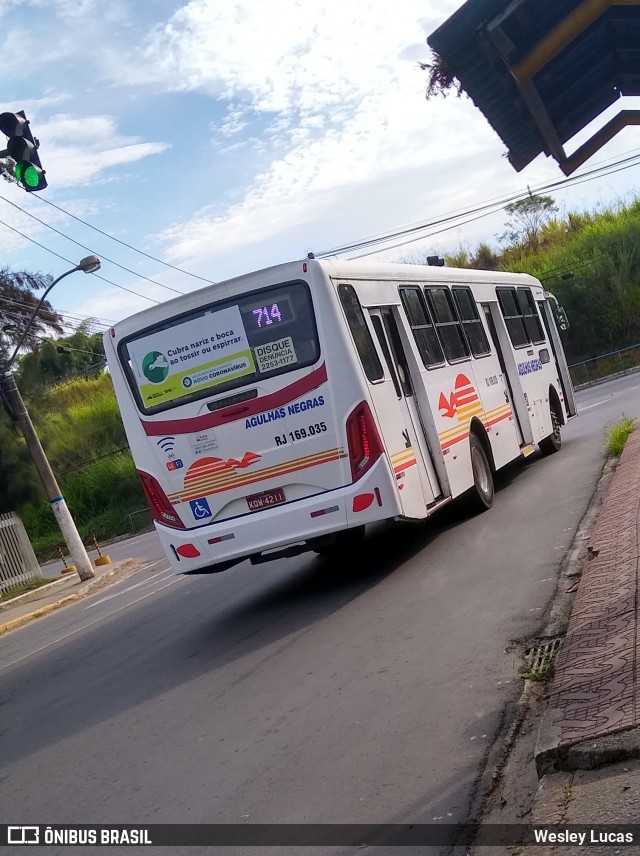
(558, 354)
(416, 447)
(523, 430)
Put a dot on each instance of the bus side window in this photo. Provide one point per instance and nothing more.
(531, 317)
(513, 317)
(360, 332)
(449, 328)
(424, 333)
(382, 339)
(471, 323)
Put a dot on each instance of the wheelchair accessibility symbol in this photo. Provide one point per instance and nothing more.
(200, 508)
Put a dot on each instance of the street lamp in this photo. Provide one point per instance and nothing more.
(89, 264)
(17, 410)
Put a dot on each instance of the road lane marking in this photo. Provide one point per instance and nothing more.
(128, 588)
(90, 624)
(607, 400)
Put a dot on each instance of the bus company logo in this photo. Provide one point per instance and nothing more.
(207, 473)
(155, 367)
(463, 402)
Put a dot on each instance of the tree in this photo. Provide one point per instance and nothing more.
(484, 258)
(18, 299)
(528, 216)
(55, 360)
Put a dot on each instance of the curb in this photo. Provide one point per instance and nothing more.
(83, 591)
(599, 380)
(37, 613)
(28, 596)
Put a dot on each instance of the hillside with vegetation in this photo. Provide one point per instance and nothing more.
(589, 260)
(71, 401)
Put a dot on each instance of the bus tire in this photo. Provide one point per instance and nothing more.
(552, 443)
(482, 493)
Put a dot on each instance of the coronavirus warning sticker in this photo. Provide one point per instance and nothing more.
(275, 355)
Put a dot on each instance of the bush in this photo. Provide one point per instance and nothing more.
(617, 436)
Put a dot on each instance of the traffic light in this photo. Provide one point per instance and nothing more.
(23, 148)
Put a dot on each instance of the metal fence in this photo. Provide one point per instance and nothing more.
(18, 563)
(617, 362)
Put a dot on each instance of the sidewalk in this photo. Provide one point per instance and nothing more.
(588, 737)
(67, 589)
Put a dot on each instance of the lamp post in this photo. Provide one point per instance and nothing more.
(18, 412)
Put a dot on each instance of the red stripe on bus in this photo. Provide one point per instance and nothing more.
(242, 411)
(455, 440)
(400, 468)
(490, 422)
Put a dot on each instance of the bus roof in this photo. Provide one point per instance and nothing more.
(336, 268)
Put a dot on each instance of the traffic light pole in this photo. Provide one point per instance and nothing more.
(58, 505)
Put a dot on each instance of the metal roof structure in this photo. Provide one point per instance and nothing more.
(542, 70)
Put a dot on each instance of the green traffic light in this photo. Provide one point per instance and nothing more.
(28, 174)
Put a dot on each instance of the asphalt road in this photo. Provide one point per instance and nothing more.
(298, 691)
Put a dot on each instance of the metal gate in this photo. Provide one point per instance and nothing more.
(18, 563)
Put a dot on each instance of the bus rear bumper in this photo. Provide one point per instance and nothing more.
(369, 500)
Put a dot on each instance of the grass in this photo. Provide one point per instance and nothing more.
(544, 674)
(617, 436)
(545, 671)
(23, 588)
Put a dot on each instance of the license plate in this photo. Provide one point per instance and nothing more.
(266, 499)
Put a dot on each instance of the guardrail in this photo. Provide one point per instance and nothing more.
(591, 371)
(18, 563)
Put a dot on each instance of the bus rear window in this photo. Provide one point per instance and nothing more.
(222, 346)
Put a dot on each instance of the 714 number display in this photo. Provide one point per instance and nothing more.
(265, 315)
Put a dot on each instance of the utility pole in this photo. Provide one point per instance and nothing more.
(18, 412)
(58, 505)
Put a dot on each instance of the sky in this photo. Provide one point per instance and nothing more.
(222, 137)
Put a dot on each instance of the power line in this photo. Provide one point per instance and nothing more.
(68, 261)
(79, 319)
(484, 210)
(496, 200)
(89, 249)
(123, 243)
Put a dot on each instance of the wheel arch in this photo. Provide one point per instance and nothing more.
(556, 406)
(480, 432)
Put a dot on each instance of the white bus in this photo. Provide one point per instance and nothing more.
(285, 410)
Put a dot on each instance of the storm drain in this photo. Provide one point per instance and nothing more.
(541, 660)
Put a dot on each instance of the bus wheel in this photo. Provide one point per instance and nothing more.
(341, 542)
(553, 442)
(482, 492)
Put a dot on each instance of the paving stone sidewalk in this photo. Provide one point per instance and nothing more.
(593, 709)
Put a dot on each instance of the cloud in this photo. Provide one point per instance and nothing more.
(233, 123)
(109, 304)
(79, 149)
(279, 57)
(330, 172)
(340, 113)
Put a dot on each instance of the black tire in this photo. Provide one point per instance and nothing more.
(340, 543)
(552, 443)
(482, 493)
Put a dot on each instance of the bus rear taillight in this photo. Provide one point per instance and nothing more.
(161, 508)
(365, 446)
